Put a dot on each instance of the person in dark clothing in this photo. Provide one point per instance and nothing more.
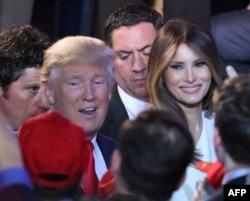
(230, 31)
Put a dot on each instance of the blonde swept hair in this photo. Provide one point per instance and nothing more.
(74, 50)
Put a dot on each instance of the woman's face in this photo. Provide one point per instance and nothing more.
(188, 78)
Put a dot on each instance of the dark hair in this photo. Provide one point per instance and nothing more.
(155, 150)
(21, 47)
(232, 107)
(130, 15)
(171, 35)
(53, 194)
(124, 197)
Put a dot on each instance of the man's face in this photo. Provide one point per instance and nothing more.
(23, 98)
(81, 94)
(132, 46)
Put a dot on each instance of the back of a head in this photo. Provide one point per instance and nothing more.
(21, 47)
(124, 197)
(155, 150)
(232, 107)
(75, 50)
(130, 15)
(55, 154)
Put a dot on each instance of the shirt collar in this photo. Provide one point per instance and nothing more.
(13, 131)
(235, 174)
(93, 140)
(132, 105)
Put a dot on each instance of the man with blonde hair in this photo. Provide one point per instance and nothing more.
(78, 76)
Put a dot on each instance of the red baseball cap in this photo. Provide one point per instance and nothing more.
(54, 150)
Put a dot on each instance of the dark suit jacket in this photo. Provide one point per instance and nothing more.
(115, 117)
(107, 147)
(195, 10)
(219, 195)
(18, 192)
(231, 34)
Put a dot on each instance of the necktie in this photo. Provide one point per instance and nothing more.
(90, 180)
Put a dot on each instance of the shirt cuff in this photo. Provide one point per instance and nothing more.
(15, 175)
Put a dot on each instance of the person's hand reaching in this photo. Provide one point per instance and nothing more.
(231, 71)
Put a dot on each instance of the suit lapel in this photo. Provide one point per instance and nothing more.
(107, 147)
(117, 111)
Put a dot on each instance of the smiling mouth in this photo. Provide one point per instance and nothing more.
(191, 89)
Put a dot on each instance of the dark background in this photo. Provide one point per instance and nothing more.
(44, 13)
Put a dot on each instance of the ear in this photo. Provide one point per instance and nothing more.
(1, 91)
(115, 162)
(49, 93)
(110, 94)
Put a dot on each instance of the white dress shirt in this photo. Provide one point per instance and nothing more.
(100, 165)
(132, 105)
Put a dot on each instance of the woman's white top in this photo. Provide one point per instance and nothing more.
(205, 146)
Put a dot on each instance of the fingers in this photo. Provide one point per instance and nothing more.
(197, 196)
(199, 189)
(231, 71)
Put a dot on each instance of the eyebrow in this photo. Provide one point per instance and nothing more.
(32, 85)
(180, 62)
(123, 52)
(176, 62)
(145, 47)
(128, 52)
(75, 77)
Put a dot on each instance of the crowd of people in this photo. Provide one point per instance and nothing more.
(127, 118)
